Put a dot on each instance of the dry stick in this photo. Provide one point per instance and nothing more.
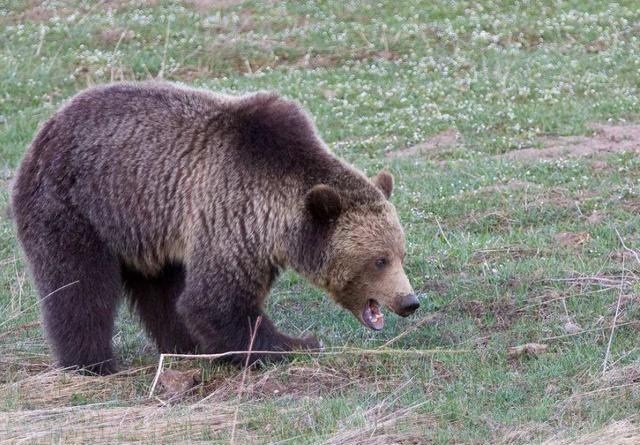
(607, 388)
(628, 249)
(21, 327)
(557, 337)
(381, 405)
(20, 282)
(585, 278)
(442, 231)
(585, 331)
(333, 351)
(115, 50)
(157, 376)
(164, 54)
(43, 32)
(34, 305)
(336, 351)
(420, 323)
(244, 377)
(624, 355)
(615, 318)
(551, 300)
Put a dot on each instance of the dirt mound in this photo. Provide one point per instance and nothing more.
(442, 140)
(606, 139)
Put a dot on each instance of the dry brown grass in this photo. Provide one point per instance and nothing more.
(383, 426)
(51, 388)
(116, 409)
(96, 425)
(625, 432)
(622, 375)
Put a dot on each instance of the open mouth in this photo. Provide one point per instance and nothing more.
(371, 315)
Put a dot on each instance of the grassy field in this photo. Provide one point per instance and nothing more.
(512, 128)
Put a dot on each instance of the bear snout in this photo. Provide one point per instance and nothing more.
(407, 305)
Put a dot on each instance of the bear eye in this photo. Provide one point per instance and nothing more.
(381, 263)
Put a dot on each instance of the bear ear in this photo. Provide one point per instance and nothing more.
(323, 202)
(384, 181)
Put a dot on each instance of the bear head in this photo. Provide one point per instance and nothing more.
(363, 260)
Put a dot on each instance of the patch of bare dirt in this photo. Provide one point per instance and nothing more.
(503, 311)
(440, 141)
(336, 59)
(299, 381)
(596, 218)
(37, 14)
(112, 36)
(572, 239)
(561, 197)
(599, 166)
(526, 38)
(596, 46)
(606, 139)
(295, 381)
(39, 11)
(506, 186)
(502, 253)
(493, 219)
(510, 186)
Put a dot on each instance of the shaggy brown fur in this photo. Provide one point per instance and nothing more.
(190, 202)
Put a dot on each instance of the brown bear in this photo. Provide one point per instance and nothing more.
(190, 203)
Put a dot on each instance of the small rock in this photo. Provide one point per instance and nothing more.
(595, 218)
(177, 384)
(596, 46)
(329, 94)
(572, 328)
(530, 349)
(599, 165)
(5, 172)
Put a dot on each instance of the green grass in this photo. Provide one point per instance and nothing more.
(484, 255)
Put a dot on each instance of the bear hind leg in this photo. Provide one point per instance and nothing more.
(78, 280)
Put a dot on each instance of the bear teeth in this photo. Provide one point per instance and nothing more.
(371, 315)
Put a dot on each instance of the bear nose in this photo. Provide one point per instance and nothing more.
(408, 305)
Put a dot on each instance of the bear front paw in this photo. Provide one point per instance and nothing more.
(309, 341)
